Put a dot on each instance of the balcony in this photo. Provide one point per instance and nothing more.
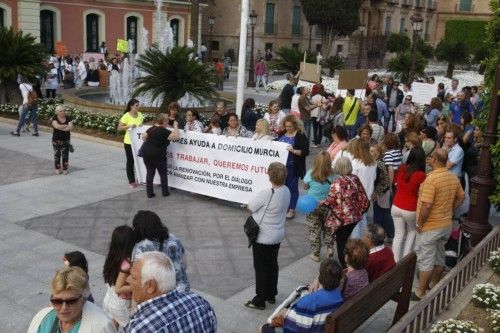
(270, 28)
(406, 3)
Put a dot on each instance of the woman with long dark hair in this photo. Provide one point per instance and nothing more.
(131, 119)
(152, 235)
(408, 179)
(249, 115)
(116, 269)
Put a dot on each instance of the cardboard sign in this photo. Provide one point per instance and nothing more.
(87, 55)
(353, 79)
(122, 45)
(310, 72)
(423, 93)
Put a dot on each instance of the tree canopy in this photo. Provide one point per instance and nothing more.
(453, 52)
(333, 17)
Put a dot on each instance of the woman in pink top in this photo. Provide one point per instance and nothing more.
(260, 73)
(339, 138)
(408, 179)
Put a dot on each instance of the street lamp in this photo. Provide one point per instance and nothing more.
(417, 23)
(361, 29)
(211, 23)
(252, 19)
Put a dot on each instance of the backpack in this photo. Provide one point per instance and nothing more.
(32, 96)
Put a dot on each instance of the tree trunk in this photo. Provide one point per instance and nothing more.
(195, 10)
(326, 40)
(450, 69)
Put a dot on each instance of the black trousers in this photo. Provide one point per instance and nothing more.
(317, 131)
(130, 163)
(151, 166)
(265, 263)
(341, 236)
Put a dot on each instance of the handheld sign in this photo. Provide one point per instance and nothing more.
(353, 79)
(122, 45)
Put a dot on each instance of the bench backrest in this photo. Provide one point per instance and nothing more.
(395, 284)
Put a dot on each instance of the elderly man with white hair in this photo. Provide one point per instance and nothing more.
(161, 308)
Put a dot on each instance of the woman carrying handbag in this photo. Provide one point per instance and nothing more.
(268, 209)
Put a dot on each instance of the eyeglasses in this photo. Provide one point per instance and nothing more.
(58, 302)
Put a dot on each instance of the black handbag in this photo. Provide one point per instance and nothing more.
(251, 227)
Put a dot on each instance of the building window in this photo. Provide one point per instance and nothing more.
(47, 30)
(2, 15)
(388, 24)
(132, 31)
(465, 5)
(215, 45)
(295, 46)
(340, 48)
(318, 48)
(174, 24)
(417, 3)
(269, 27)
(318, 32)
(426, 35)
(92, 33)
(269, 46)
(296, 16)
(402, 26)
(430, 4)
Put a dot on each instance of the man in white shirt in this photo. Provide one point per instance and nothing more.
(29, 106)
(453, 91)
(81, 73)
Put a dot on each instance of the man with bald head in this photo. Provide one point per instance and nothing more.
(439, 194)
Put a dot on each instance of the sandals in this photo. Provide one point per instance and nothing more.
(415, 297)
(250, 305)
(290, 215)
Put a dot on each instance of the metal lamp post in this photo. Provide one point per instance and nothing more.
(252, 19)
(211, 23)
(417, 24)
(361, 29)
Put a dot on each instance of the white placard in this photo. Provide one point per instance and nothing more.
(223, 167)
(422, 93)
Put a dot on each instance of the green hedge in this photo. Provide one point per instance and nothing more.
(471, 32)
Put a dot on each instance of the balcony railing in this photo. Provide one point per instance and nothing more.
(270, 28)
(422, 315)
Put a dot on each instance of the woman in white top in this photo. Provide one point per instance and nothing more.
(365, 167)
(262, 130)
(275, 118)
(193, 122)
(318, 114)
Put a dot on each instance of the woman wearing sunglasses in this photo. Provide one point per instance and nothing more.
(70, 311)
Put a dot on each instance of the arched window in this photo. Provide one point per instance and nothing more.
(132, 31)
(92, 33)
(47, 25)
(174, 24)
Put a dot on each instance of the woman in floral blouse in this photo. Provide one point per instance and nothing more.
(193, 122)
(275, 118)
(152, 235)
(234, 128)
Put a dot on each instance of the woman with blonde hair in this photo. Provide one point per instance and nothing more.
(364, 167)
(70, 310)
(262, 130)
(317, 182)
(275, 118)
(298, 147)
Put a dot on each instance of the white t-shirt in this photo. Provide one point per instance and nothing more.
(366, 173)
(318, 112)
(82, 71)
(294, 106)
(452, 92)
(51, 82)
(25, 88)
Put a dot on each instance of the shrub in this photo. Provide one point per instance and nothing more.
(494, 261)
(494, 319)
(486, 295)
(401, 65)
(455, 326)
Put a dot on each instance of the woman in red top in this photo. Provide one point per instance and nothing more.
(408, 179)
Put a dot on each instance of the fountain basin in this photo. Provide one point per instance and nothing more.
(96, 100)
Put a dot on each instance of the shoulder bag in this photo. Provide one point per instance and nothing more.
(251, 227)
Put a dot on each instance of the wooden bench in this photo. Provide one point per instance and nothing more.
(395, 284)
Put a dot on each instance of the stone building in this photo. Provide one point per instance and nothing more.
(83, 24)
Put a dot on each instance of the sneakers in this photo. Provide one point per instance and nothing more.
(290, 215)
(314, 257)
(35, 134)
(65, 172)
(132, 185)
(251, 305)
(15, 134)
(58, 171)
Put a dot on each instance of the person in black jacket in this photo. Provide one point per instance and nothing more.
(249, 115)
(298, 147)
(287, 94)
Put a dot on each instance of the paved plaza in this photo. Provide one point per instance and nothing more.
(44, 215)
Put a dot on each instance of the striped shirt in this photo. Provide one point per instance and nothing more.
(441, 188)
(393, 158)
(173, 312)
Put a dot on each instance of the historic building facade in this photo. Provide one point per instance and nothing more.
(83, 24)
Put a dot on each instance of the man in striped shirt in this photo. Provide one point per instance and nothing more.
(439, 194)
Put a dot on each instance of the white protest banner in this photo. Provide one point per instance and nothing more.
(422, 93)
(223, 167)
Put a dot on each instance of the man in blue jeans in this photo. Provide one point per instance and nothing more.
(29, 106)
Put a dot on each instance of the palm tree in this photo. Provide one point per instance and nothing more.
(333, 63)
(170, 76)
(453, 52)
(20, 54)
(289, 58)
(401, 65)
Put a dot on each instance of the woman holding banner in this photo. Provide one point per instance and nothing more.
(193, 122)
(130, 119)
(298, 147)
(234, 128)
(156, 140)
